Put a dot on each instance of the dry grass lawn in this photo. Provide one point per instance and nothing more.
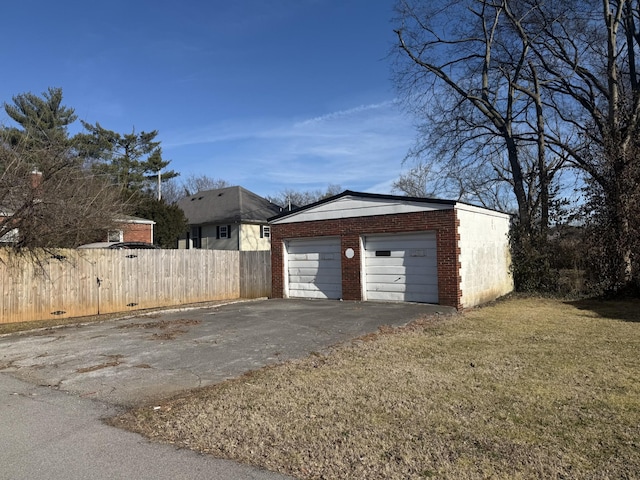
(525, 388)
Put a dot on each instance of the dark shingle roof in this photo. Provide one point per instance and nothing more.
(227, 205)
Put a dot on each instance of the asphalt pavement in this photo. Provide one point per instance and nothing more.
(57, 385)
(51, 435)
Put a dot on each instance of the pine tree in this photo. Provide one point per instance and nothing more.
(44, 119)
(132, 161)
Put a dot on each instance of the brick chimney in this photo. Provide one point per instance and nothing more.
(36, 179)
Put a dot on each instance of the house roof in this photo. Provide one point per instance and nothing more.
(132, 219)
(227, 205)
(355, 204)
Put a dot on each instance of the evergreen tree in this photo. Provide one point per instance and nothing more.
(44, 119)
(170, 220)
(131, 161)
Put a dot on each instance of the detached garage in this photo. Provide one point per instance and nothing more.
(361, 246)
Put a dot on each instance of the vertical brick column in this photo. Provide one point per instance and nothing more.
(448, 257)
(277, 264)
(351, 276)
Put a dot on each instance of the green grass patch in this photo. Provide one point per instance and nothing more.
(525, 388)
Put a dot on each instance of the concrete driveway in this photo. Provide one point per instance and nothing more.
(57, 385)
(137, 360)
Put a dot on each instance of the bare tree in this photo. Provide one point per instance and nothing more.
(56, 205)
(177, 188)
(299, 198)
(196, 183)
(588, 53)
(467, 70)
(552, 85)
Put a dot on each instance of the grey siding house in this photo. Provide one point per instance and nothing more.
(231, 218)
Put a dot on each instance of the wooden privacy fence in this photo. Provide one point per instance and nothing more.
(73, 283)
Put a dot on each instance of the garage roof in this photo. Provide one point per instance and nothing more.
(349, 204)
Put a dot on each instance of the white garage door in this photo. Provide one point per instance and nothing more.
(401, 267)
(313, 268)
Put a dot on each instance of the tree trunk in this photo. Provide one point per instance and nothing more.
(518, 184)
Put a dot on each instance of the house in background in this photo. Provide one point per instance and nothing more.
(10, 236)
(231, 218)
(131, 229)
(127, 228)
(364, 246)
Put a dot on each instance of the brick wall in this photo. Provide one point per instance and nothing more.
(443, 222)
(137, 232)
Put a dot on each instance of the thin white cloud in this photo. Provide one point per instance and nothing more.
(344, 113)
(359, 148)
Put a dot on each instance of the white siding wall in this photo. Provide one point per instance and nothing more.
(485, 259)
(250, 238)
(350, 207)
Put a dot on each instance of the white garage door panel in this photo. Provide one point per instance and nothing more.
(314, 269)
(314, 286)
(398, 279)
(316, 280)
(413, 289)
(401, 267)
(314, 257)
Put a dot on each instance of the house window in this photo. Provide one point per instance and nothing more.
(196, 240)
(265, 231)
(223, 231)
(115, 236)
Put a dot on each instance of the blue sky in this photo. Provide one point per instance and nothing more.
(267, 94)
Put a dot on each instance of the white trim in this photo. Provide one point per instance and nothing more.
(143, 221)
(363, 270)
(285, 267)
(481, 211)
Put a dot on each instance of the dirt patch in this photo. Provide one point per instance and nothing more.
(31, 326)
(113, 363)
(162, 324)
(169, 329)
(6, 365)
(168, 335)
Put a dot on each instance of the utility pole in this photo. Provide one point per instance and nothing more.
(159, 185)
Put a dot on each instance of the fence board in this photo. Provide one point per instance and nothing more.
(255, 273)
(89, 282)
